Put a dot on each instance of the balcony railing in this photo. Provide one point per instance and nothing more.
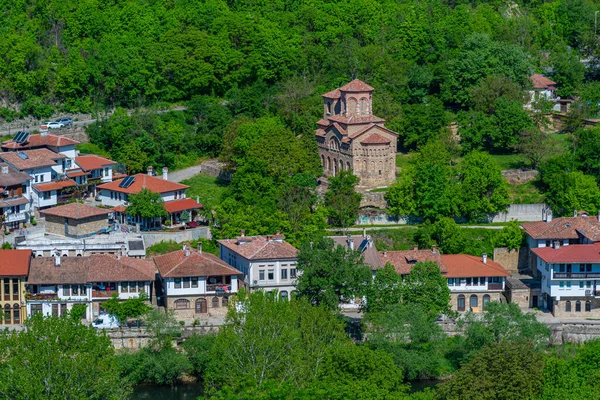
(576, 275)
(219, 287)
(494, 286)
(41, 296)
(104, 293)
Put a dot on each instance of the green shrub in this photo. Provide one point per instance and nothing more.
(165, 367)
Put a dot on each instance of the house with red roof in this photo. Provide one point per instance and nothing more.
(570, 279)
(350, 137)
(57, 283)
(15, 197)
(91, 170)
(473, 281)
(76, 220)
(195, 282)
(541, 88)
(266, 262)
(57, 144)
(14, 268)
(115, 194)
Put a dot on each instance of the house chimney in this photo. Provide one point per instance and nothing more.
(557, 244)
(5, 171)
(484, 258)
(434, 249)
(44, 133)
(187, 252)
(385, 253)
(278, 232)
(200, 247)
(350, 242)
(198, 199)
(598, 216)
(57, 260)
(369, 241)
(574, 213)
(544, 215)
(150, 170)
(165, 173)
(242, 233)
(415, 248)
(364, 232)
(118, 256)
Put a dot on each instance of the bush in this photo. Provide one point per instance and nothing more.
(197, 349)
(165, 367)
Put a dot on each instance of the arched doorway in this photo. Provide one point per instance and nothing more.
(201, 306)
(461, 302)
(486, 300)
(473, 301)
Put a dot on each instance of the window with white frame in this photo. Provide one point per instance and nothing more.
(293, 273)
(271, 274)
(261, 274)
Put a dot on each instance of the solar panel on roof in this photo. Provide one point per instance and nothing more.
(22, 155)
(19, 137)
(25, 138)
(126, 182)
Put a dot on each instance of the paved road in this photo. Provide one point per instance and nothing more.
(81, 123)
(183, 174)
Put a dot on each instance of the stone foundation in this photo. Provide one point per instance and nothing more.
(560, 307)
(494, 296)
(214, 306)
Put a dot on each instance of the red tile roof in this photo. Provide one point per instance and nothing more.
(36, 158)
(404, 260)
(177, 265)
(564, 228)
(14, 202)
(46, 187)
(119, 208)
(180, 205)
(95, 268)
(356, 86)
(376, 139)
(464, 266)
(145, 181)
(573, 253)
(356, 120)
(14, 262)
(541, 82)
(72, 173)
(260, 247)
(334, 94)
(75, 211)
(40, 141)
(362, 244)
(91, 162)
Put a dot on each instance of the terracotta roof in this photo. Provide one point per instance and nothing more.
(72, 173)
(339, 128)
(91, 162)
(361, 244)
(320, 132)
(13, 177)
(152, 183)
(376, 139)
(541, 82)
(14, 262)
(356, 86)
(75, 211)
(40, 141)
(95, 268)
(35, 158)
(14, 202)
(323, 122)
(57, 185)
(334, 94)
(260, 247)
(119, 208)
(464, 265)
(356, 120)
(177, 265)
(404, 260)
(573, 253)
(180, 205)
(564, 228)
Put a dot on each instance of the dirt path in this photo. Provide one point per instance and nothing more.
(183, 174)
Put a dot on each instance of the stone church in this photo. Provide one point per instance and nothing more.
(350, 137)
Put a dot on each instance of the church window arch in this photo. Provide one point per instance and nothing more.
(348, 167)
(363, 106)
(328, 164)
(335, 166)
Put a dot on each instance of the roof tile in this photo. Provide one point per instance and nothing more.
(91, 162)
(260, 248)
(144, 181)
(14, 262)
(177, 265)
(75, 211)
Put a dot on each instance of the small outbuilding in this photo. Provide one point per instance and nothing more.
(76, 220)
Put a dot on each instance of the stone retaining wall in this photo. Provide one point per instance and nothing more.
(152, 238)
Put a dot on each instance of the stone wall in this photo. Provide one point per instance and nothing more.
(152, 238)
(518, 176)
(137, 338)
(216, 169)
(494, 296)
(520, 212)
(514, 260)
(374, 200)
(215, 306)
(76, 228)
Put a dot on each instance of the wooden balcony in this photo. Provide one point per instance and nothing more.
(104, 293)
(494, 286)
(218, 287)
(576, 275)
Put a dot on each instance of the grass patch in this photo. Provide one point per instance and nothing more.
(402, 160)
(209, 189)
(508, 161)
(91, 148)
(170, 246)
(525, 193)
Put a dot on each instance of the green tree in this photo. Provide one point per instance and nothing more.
(573, 191)
(163, 328)
(411, 336)
(585, 148)
(341, 200)
(58, 358)
(426, 286)
(568, 71)
(331, 274)
(485, 95)
(483, 190)
(511, 236)
(385, 291)
(445, 233)
(535, 146)
(133, 307)
(146, 204)
(505, 370)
